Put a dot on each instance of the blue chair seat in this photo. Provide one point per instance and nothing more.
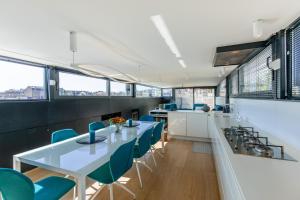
(102, 174)
(52, 188)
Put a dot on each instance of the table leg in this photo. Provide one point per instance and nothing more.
(17, 164)
(81, 185)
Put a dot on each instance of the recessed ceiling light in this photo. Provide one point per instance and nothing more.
(165, 34)
(181, 62)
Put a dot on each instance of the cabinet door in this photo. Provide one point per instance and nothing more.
(177, 123)
(197, 125)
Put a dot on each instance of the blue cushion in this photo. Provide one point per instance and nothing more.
(102, 174)
(52, 188)
(198, 105)
(147, 118)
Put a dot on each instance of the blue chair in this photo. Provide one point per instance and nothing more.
(147, 118)
(140, 150)
(14, 185)
(156, 136)
(96, 126)
(63, 134)
(170, 106)
(199, 105)
(120, 162)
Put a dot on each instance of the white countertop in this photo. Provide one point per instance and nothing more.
(262, 178)
(189, 111)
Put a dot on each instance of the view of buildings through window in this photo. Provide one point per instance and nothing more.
(21, 82)
(146, 91)
(120, 89)
(185, 98)
(167, 92)
(206, 96)
(79, 85)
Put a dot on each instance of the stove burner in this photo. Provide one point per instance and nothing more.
(264, 150)
(244, 140)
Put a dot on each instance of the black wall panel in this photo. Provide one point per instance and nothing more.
(27, 125)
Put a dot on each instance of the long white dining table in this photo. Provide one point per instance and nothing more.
(78, 160)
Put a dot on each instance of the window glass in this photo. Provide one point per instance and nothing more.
(167, 92)
(146, 91)
(21, 82)
(80, 85)
(184, 98)
(204, 96)
(120, 89)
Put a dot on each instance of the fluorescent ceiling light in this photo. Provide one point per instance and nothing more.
(181, 62)
(165, 33)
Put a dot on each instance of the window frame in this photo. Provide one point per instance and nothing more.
(135, 90)
(196, 87)
(167, 96)
(56, 93)
(116, 96)
(30, 64)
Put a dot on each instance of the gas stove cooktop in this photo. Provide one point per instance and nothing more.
(244, 140)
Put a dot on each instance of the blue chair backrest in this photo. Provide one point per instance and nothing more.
(147, 118)
(122, 159)
(144, 142)
(198, 105)
(170, 106)
(157, 131)
(63, 134)
(96, 126)
(218, 108)
(14, 185)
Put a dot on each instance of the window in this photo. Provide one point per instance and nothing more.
(221, 89)
(184, 98)
(146, 91)
(156, 92)
(204, 96)
(233, 84)
(80, 85)
(21, 81)
(295, 62)
(120, 89)
(167, 92)
(255, 78)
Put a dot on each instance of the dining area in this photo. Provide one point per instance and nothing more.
(103, 155)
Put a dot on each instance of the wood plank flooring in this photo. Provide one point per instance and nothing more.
(180, 175)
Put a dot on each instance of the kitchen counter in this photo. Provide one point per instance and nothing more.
(255, 178)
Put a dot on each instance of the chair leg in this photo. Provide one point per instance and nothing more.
(138, 172)
(74, 193)
(125, 188)
(145, 164)
(111, 192)
(160, 154)
(152, 154)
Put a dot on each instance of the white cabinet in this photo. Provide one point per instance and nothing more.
(188, 123)
(177, 123)
(197, 125)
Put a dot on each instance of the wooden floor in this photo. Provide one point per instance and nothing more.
(180, 175)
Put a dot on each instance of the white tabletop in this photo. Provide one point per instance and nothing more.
(75, 159)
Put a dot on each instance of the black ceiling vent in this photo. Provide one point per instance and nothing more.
(237, 54)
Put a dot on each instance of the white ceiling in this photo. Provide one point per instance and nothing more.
(120, 36)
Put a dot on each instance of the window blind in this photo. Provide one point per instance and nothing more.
(295, 61)
(233, 84)
(255, 78)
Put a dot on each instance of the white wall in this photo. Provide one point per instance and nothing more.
(279, 118)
